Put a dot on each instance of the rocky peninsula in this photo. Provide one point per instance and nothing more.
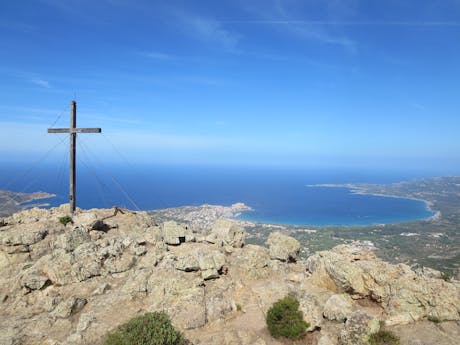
(11, 202)
(71, 284)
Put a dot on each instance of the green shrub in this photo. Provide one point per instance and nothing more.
(284, 319)
(446, 276)
(383, 337)
(239, 307)
(64, 220)
(148, 329)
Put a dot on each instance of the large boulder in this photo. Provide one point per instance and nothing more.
(180, 294)
(209, 262)
(358, 329)
(282, 247)
(404, 295)
(312, 311)
(85, 219)
(338, 307)
(188, 262)
(252, 261)
(175, 234)
(23, 234)
(226, 232)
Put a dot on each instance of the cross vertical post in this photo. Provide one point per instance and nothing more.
(73, 130)
(73, 142)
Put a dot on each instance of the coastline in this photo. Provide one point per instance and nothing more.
(12, 202)
(360, 190)
(428, 204)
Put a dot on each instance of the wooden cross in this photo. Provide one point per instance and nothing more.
(73, 130)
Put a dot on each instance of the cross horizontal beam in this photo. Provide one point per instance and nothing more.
(74, 130)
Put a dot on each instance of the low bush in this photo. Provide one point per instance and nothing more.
(64, 220)
(284, 319)
(446, 276)
(148, 329)
(383, 337)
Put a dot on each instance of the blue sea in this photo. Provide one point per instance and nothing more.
(276, 195)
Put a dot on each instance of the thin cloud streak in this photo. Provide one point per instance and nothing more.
(277, 14)
(347, 23)
(207, 30)
(40, 82)
(210, 30)
(157, 56)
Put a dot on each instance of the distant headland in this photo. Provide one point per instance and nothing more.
(11, 202)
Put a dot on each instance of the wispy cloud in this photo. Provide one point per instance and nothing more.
(207, 30)
(318, 33)
(349, 23)
(27, 76)
(157, 56)
(418, 106)
(202, 80)
(213, 31)
(41, 82)
(282, 16)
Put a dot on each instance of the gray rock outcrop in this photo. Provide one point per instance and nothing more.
(70, 284)
(358, 329)
(403, 294)
(282, 247)
(174, 233)
(226, 232)
(208, 262)
(338, 307)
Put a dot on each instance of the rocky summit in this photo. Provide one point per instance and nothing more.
(70, 282)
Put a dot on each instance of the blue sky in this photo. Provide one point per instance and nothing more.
(259, 82)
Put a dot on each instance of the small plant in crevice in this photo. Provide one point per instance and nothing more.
(65, 220)
(383, 337)
(446, 276)
(434, 319)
